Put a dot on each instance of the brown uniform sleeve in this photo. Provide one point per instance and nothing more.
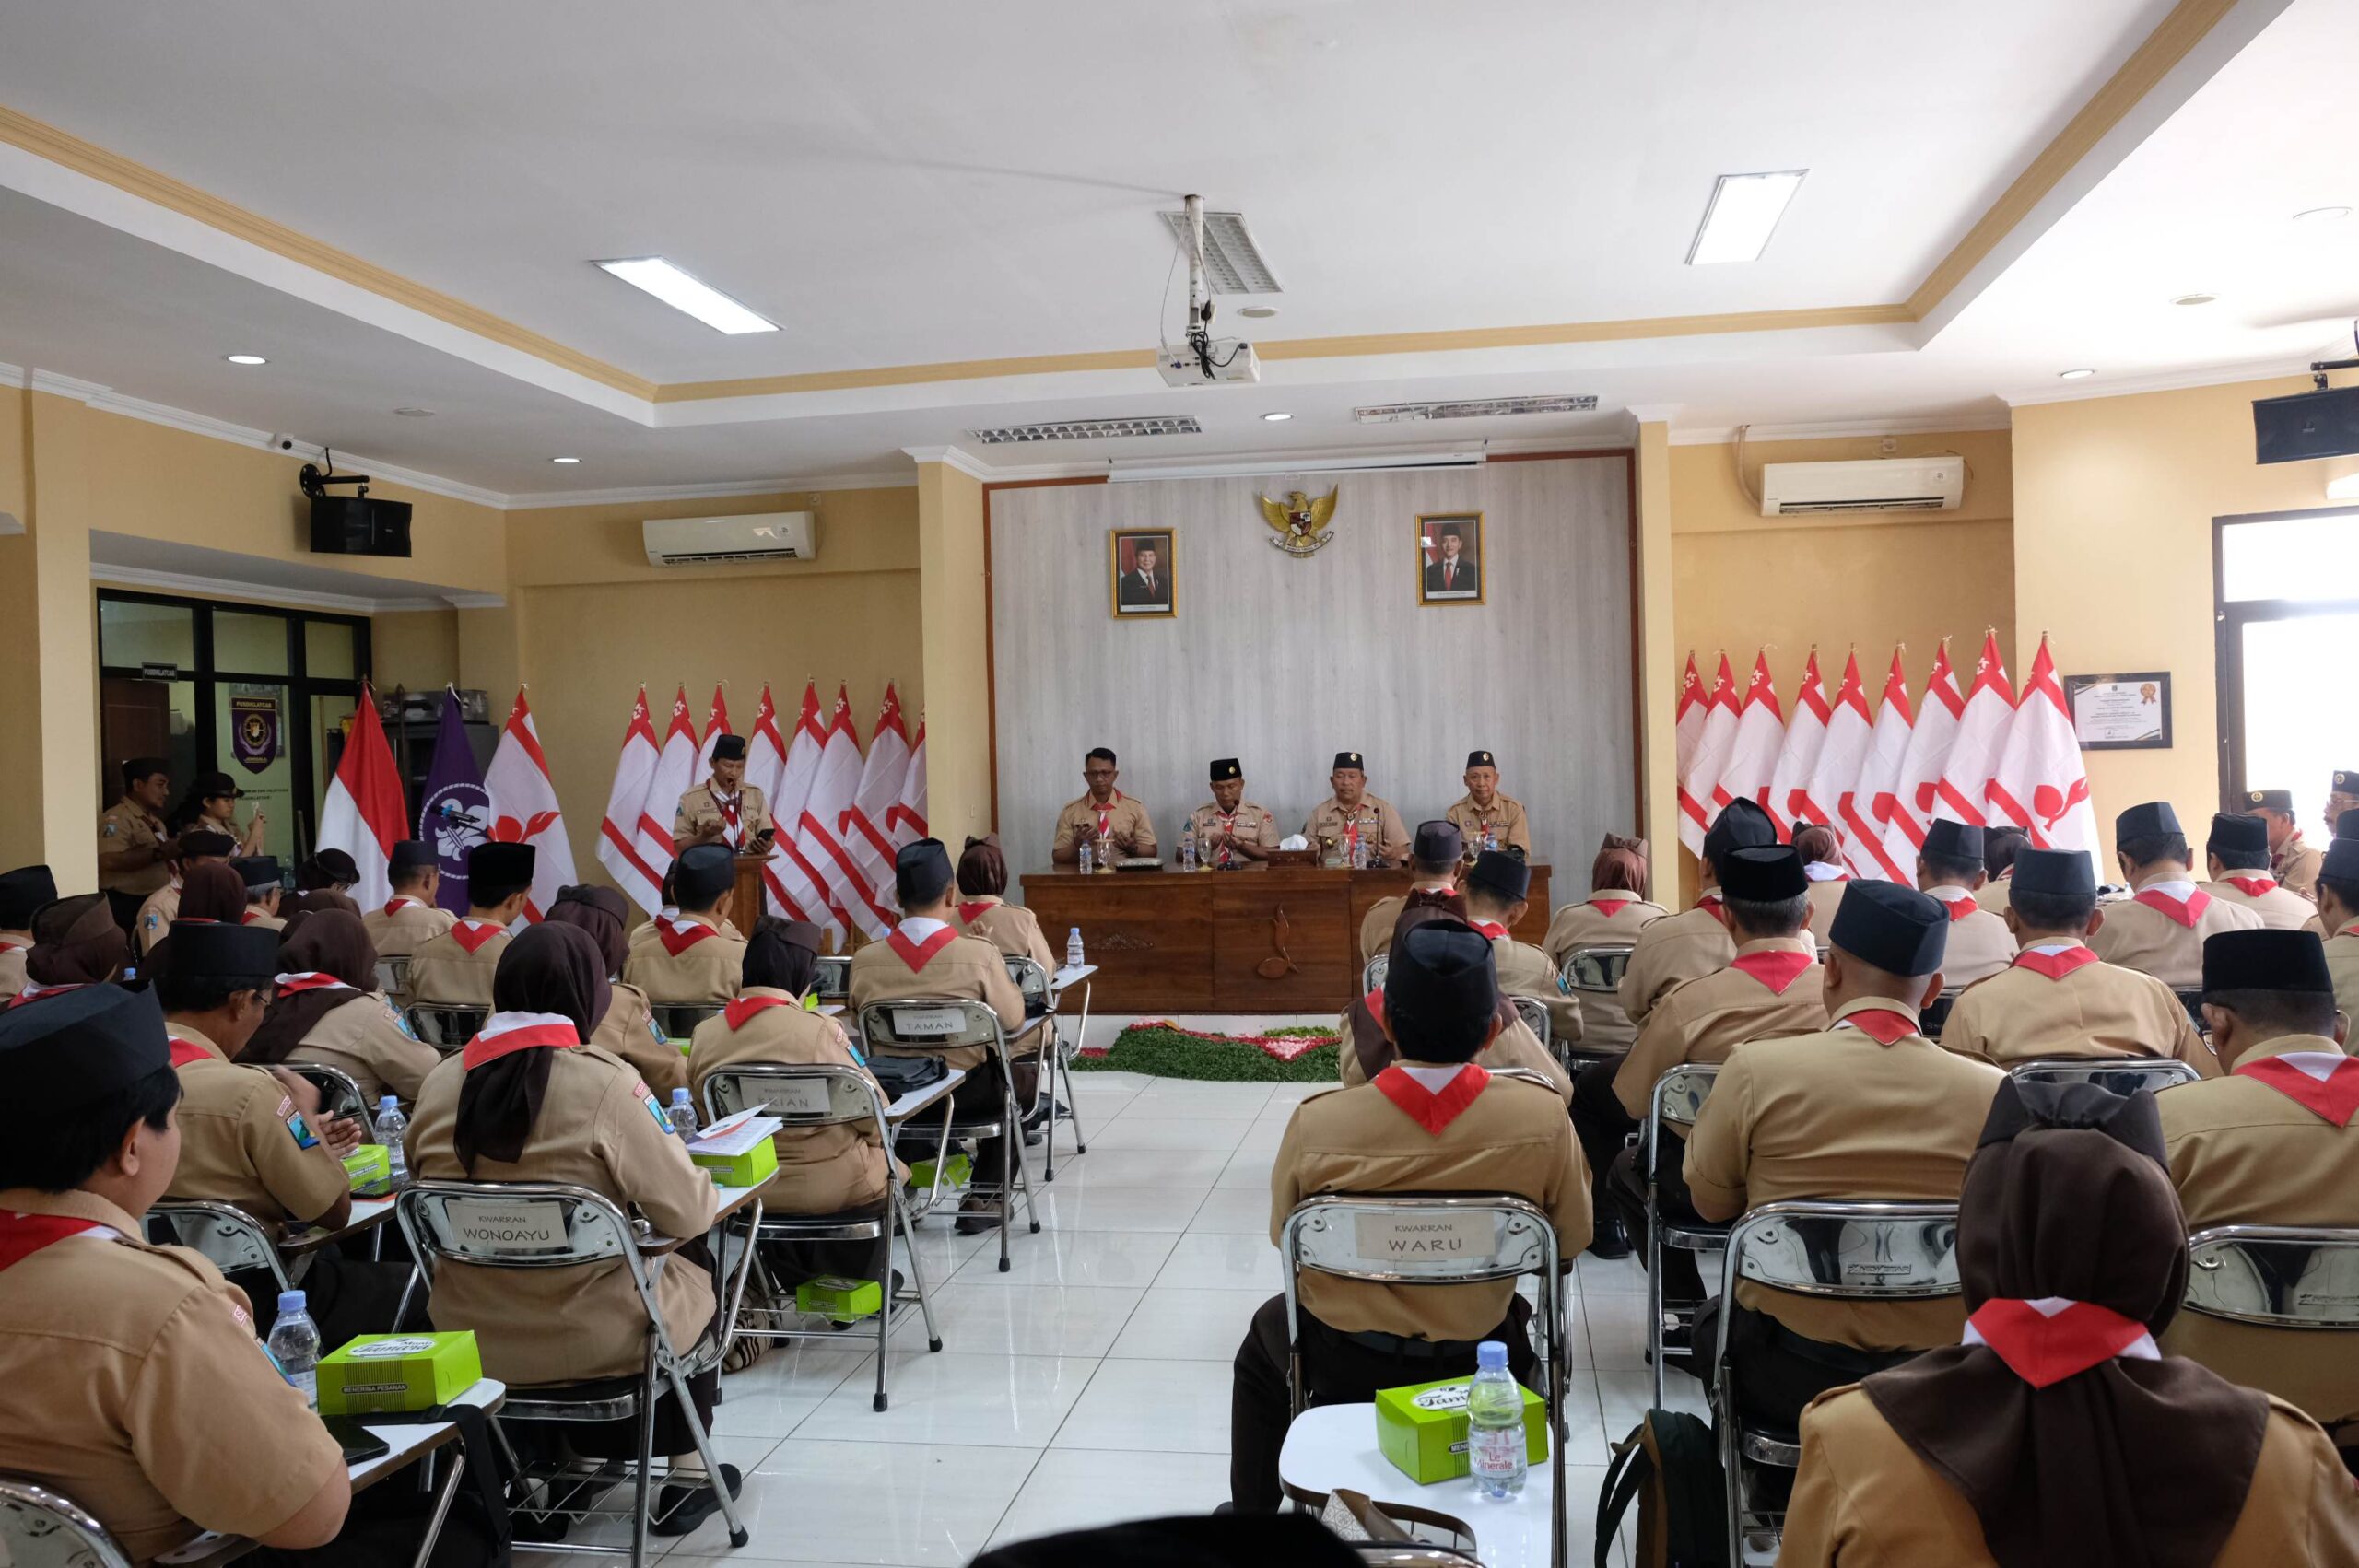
(1719, 1150)
(651, 1166)
(2334, 1507)
(661, 1064)
(1038, 940)
(1143, 833)
(684, 821)
(1820, 1517)
(399, 1062)
(1393, 836)
(227, 1440)
(1660, 1045)
(1285, 1185)
(1568, 1201)
(1962, 1032)
(1519, 834)
(1060, 842)
(307, 1183)
(756, 814)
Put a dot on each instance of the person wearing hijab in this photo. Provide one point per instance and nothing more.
(1822, 854)
(75, 943)
(163, 906)
(628, 1028)
(1612, 915)
(984, 912)
(323, 1010)
(212, 892)
(22, 893)
(529, 1099)
(2058, 1434)
(842, 1169)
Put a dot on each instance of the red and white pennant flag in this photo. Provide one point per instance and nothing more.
(1866, 812)
(2041, 784)
(1689, 725)
(1914, 792)
(1842, 752)
(617, 847)
(1798, 755)
(1696, 809)
(524, 808)
(865, 823)
(1760, 731)
(1965, 790)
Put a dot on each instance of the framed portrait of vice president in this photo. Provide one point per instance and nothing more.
(1139, 568)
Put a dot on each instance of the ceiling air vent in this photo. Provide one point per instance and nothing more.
(1088, 430)
(1471, 408)
(1232, 263)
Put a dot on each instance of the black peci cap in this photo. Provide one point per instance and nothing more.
(1770, 874)
(2270, 800)
(2266, 961)
(1440, 970)
(2341, 861)
(1225, 768)
(1480, 759)
(413, 855)
(1891, 927)
(500, 865)
(920, 871)
(702, 874)
(22, 891)
(1501, 875)
(258, 872)
(1953, 840)
(729, 748)
(2065, 873)
(1742, 824)
(1438, 843)
(1348, 759)
(80, 1046)
(2237, 833)
(245, 956)
(2152, 820)
(2346, 781)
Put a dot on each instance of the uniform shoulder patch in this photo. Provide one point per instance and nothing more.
(107, 830)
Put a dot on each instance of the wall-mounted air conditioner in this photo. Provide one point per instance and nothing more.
(702, 541)
(1888, 484)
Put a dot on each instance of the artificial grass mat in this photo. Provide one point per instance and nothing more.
(1169, 1052)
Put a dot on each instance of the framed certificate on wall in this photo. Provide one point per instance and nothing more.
(2127, 712)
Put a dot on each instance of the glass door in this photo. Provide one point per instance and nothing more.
(2287, 607)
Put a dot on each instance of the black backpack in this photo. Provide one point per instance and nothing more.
(1670, 1467)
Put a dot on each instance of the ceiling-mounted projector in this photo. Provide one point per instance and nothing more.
(1203, 359)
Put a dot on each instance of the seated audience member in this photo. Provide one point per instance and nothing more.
(325, 1010)
(1866, 1109)
(2294, 863)
(410, 919)
(1682, 946)
(2237, 856)
(1496, 886)
(2338, 889)
(1821, 855)
(129, 1376)
(2059, 999)
(253, 1136)
(330, 870)
(163, 906)
(1365, 1047)
(264, 890)
(925, 959)
(456, 968)
(844, 1169)
(2161, 927)
(1771, 985)
(1434, 864)
(2001, 845)
(1949, 872)
(1613, 914)
(75, 943)
(984, 912)
(529, 1100)
(1432, 1122)
(628, 1028)
(690, 960)
(2272, 1143)
(318, 900)
(2062, 1438)
(212, 893)
(22, 892)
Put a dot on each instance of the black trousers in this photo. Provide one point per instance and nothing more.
(1778, 1372)
(982, 1095)
(793, 1262)
(1600, 1122)
(1336, 1369)
(1624, 1188)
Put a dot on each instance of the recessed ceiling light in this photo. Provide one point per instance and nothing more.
(2074, 375)
(682, 292)
(245, 359)
(565, 459)
(1259, 312)
(411, 411)
(2322, 214)
(1274, 418)
(2194, 299)
(1743, 213)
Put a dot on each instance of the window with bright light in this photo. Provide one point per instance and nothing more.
(2289, 623)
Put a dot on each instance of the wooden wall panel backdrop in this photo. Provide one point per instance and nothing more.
(1283, 662)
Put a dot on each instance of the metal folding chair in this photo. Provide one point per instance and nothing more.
(392, 976)
(1678, 1098)
(929, 1029)
(1039, 988)
(1351, 1235)
(41, 1529)
(1534, 1012)
(1930, 1021)
(1859, 1251)
(556, 1226)
(2191, 999)
(2294, 1276)
(339, 1094)
(1593, 973)
(1372, 977)
(2123, 1074)
(678, 1020)
(814, 1095)
(222, 1234)
(831, 978)
(445, 1025)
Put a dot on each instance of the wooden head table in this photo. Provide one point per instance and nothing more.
(1268, 939)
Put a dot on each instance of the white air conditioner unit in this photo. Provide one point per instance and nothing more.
(702, 541)
(1886, 484)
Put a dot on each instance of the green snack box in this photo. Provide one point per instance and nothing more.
(1422, 1428)
(398, 1371)
(841, 1299)
(752, 1168)
(369, 1169)
(957, 1171)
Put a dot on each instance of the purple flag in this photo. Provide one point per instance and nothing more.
(455, 808)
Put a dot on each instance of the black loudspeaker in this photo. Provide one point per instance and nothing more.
(2308, 425)
(356, 525)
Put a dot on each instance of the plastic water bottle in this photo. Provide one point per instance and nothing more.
(1089, 859)
(683, 1116)
(295, 1345)
(1495, 1437)
(1188, 851)
(388, 1129)
(1073, 960)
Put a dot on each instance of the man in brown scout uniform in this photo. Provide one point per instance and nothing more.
(2236, 855)
(22, 893)
(1112, 823)
(1949, 872)
(724, 809)
(2059, 999)
(410, 919)
(1435, 859)
(134, 844)
(1866, 1109)
(2339, 912)
(2341, 795)
(456, 967)
(2273, 1143)
(129, 1376)
(2162, 928)
(2294, 863)
(925, 959)
(1483, 813)
(1231, 830)
(1696, 943)
(1495, 888)
(198, 846)
(1431, 1122)
(264, 885)
(1384, 835)
(691, 960)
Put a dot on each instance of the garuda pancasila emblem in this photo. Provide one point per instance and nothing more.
(1300, 521)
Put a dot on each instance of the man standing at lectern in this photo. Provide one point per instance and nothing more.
(724, 809)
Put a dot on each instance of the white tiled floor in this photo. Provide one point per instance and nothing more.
(1090, 1382)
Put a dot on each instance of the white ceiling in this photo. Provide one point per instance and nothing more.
(900, 186)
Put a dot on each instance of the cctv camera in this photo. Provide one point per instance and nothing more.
(282, 443)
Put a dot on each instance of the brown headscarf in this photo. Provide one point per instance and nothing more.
(2130, 1463)
(76, 942)
(315, 900)
(1620, 866)
(982, 869)
(327, 941)
(599, 911)
(210, 890)
(781, 954)
(553, 968)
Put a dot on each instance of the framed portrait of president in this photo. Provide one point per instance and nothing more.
(1449, 558)
(1139, 565)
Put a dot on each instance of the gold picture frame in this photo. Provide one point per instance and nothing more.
(1136, 594)
(1432, 528)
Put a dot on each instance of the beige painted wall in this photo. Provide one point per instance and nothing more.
(953, 587)
(413, 649)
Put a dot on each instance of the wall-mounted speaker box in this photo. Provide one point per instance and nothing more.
(357, 525)
(2307, 424)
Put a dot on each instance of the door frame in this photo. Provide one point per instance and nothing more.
(2229, 622)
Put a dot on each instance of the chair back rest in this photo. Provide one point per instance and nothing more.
(831, 978)
(2123, 1074)
(801, 1094)
(1441, 1240)
(1930, 1021)
(1534, 1012)
(2191, 999)
(678, 1020)
(1597, 966)
(393, 975)
(1372, 977)
(1869, 1251)
(2276, 1276)
(1678, 1098)
(222, 1234)
(909, 1026)
(1031, 981)
(43, 1529)
(339, 1094)
(446, 1025)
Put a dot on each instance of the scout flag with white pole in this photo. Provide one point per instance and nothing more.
(1963, 794)
(1695, 808)
(2042, 784)
(1866, 812)
(617, 850)
(1914, 790)
(1798, 754)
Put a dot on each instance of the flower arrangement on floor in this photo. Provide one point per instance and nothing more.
(1162, 1047)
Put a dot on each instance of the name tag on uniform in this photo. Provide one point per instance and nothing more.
(489, 1225)
(1456, 1238)
(921, 1023)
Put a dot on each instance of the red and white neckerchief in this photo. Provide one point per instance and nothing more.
(2350, 929)
(2252, 886)
(732, 809)
(1776, 967)
(1710, 905)
(2055, 963)
(740, 1009)
(1881, 1024)
(21, 1235)
(1225, 857)
(401, 901)
(678, 936)
(2324, 1082)
(1431, 1109)
(185, 1051)
(1607, 907)
(35, 988)
(1957, 900)
(505, 1034)
(969, 913)
(1491, 928)
(9, 945)
(471, 934)
(917, 954)
(307, 980)
(2181, 908)
(1106, 814)
(250, 917)
(1826, 871)
(2054, 1337)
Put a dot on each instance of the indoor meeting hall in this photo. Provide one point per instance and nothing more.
(1648, 848)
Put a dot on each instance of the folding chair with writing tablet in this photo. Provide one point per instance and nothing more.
(1678, 1098)
(928, 1028)
(1039, 991)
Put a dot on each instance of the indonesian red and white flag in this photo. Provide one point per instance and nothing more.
(2042, 785)
(674, 776)
(716, 724)
(1695, 808)
(905, 824)
(796, 889)
(1760, 731)
(1963, 795)
(618, 835)
(364, 815)
(1798, 753)
(820, 856)
(524, 808)
(1843, 750)
(1689, 725)
(1866, 812)
(881, 777)
(1913, 793)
